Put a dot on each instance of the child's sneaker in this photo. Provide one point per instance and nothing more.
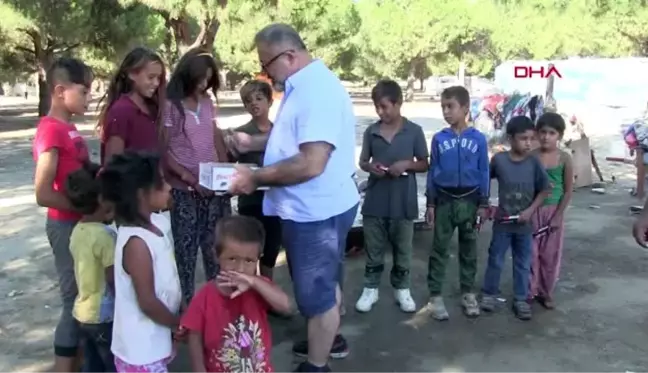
(405, 300)
(470, 305)
(488, 303)
(339, 350)
(308, 367)
(438, 309)
(368, 298)
(522, 310)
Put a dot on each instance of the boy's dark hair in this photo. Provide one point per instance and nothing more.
(553, 120)
(256, 86)
(120, 84)
(190, 71)
(66, 70)
(239, 228)
(519, 124)
(124, 177)
(457, 92)
(83, 189)
(389, 89)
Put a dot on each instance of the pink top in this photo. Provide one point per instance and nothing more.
(192, 142)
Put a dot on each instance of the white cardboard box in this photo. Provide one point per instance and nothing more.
(218, 176)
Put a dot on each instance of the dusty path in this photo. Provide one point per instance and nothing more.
(600, 325)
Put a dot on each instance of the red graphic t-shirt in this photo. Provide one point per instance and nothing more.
(236, 334)
(72, 154)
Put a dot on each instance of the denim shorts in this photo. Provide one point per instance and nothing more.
(315, 252)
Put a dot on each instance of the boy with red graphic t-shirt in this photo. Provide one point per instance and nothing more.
(227, 323)
(58, 150)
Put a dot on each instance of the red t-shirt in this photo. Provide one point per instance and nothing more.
(72, 154)
(136, 128)
(236, 334)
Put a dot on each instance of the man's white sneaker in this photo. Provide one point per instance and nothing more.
(368, 298)
(470, 305)
(405, 300)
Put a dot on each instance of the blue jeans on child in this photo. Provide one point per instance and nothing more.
(520, 244)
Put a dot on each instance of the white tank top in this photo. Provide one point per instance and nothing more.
(137, 339)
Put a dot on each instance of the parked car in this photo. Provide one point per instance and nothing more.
(434, 85)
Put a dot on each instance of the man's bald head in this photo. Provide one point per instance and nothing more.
(282, 52)
(280, 35)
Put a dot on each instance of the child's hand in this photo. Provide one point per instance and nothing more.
(239, 281)
(482, 213)
(377, 169)
(398, 168)
(525, 216)
(429, 216)
(180, 334)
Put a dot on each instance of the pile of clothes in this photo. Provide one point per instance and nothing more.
(635, 135)
(490, 113)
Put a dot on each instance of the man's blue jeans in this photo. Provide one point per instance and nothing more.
(520, 244)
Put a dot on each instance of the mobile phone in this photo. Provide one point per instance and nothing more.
(510, 219)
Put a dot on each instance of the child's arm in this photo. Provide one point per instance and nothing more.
(641, 172)
(542, 188)
(46, 196)
(484, 169)
(365, 152)
(219, 144)
(196, 355)
(430, 188)
(421, 153)
(568, 183)
(138, 264)
(104, 249)
(277, 299)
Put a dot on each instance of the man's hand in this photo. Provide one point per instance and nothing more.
(398, 168)
(240, 282)
(243, 181)
(639, 230)
(377, 169)
(429, 216)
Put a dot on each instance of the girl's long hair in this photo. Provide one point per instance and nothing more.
(188, 74)
(121, 84)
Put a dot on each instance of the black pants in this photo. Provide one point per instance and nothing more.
(98, 338)
(272, 226)
(193, 223)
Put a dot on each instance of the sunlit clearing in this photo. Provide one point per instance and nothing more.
(451, 369)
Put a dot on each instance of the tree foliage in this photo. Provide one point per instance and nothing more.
(360, 39)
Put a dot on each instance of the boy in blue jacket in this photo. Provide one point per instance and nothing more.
(457, 194)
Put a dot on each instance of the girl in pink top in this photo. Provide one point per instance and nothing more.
(193, 138)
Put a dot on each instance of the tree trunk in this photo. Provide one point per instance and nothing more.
(411, 78)
(44, 59)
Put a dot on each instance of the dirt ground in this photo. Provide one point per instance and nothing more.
(600, 324)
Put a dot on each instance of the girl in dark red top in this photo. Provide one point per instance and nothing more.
(227, 319)
(131, 116)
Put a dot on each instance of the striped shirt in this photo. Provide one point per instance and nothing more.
(191, 141)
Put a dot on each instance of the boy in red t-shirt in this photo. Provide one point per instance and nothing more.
(227, 319)
(58, 150)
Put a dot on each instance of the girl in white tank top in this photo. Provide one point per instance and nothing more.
(147, 288)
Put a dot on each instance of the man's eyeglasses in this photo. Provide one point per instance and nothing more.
(265, 66)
